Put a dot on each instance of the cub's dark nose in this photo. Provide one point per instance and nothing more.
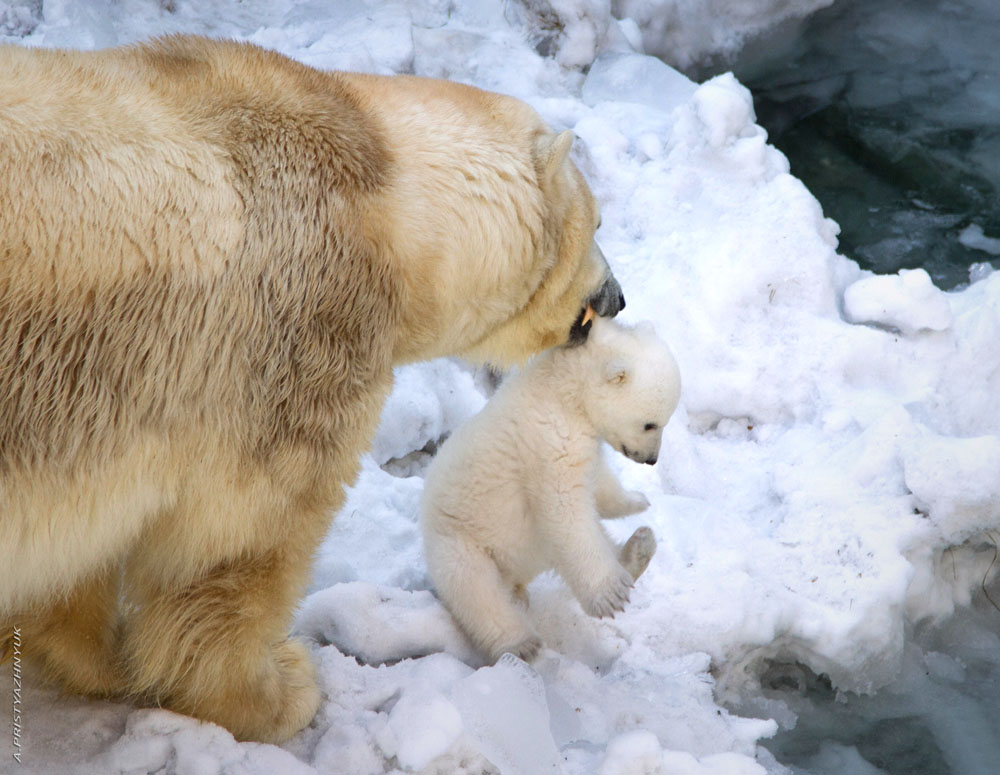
(651, 461)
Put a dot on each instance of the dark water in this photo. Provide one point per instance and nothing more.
(889, 111)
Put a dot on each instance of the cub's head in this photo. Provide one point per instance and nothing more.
(632, 387)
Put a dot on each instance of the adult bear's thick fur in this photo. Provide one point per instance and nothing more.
(211, 257)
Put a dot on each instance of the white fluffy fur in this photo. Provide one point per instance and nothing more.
(521, 487)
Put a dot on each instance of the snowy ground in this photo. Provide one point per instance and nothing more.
(831, 476)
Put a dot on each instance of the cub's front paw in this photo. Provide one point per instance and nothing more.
(635, 502)
(610, 596)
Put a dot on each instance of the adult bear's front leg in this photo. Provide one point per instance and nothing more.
(216, 647)
(73, 639)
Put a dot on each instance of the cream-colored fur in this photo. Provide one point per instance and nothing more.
(521, 487)
(211, 258)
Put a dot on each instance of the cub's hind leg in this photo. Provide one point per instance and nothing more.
(489, 609)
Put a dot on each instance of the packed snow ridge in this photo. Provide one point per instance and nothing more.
(831, 474)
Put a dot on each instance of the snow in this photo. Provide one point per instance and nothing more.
(908, 301)
(422, 728)
(829, 482)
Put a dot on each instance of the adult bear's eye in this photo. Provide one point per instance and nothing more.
(650, 426)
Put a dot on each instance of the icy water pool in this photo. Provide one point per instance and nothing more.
(889, 111)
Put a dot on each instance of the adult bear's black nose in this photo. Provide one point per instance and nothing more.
(609, 299)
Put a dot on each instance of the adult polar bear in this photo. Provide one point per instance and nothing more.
(211, 257)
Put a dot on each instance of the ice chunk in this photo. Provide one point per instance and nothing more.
(980, 271)
(506, 713)
(564, 719)
(636, 751)
(639, 752)
(972, 236)
(636, 78)
(908, 301)
(349, 748)
(424, 727)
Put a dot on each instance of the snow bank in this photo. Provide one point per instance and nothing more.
(830, 476)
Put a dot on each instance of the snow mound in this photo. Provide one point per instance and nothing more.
(380, 624)
(908, 301)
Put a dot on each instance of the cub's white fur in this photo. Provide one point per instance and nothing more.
(521, 487)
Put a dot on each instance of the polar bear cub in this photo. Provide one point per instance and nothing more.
(521, 487)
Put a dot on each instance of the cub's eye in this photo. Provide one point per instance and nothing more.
(650, 426)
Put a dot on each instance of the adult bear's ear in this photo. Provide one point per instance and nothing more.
(617, 371)
(551, 152)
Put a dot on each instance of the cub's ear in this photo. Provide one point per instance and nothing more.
(551, 152)
(617, 371)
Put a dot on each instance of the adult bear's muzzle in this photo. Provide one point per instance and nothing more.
(607, 302)
(609, 299)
